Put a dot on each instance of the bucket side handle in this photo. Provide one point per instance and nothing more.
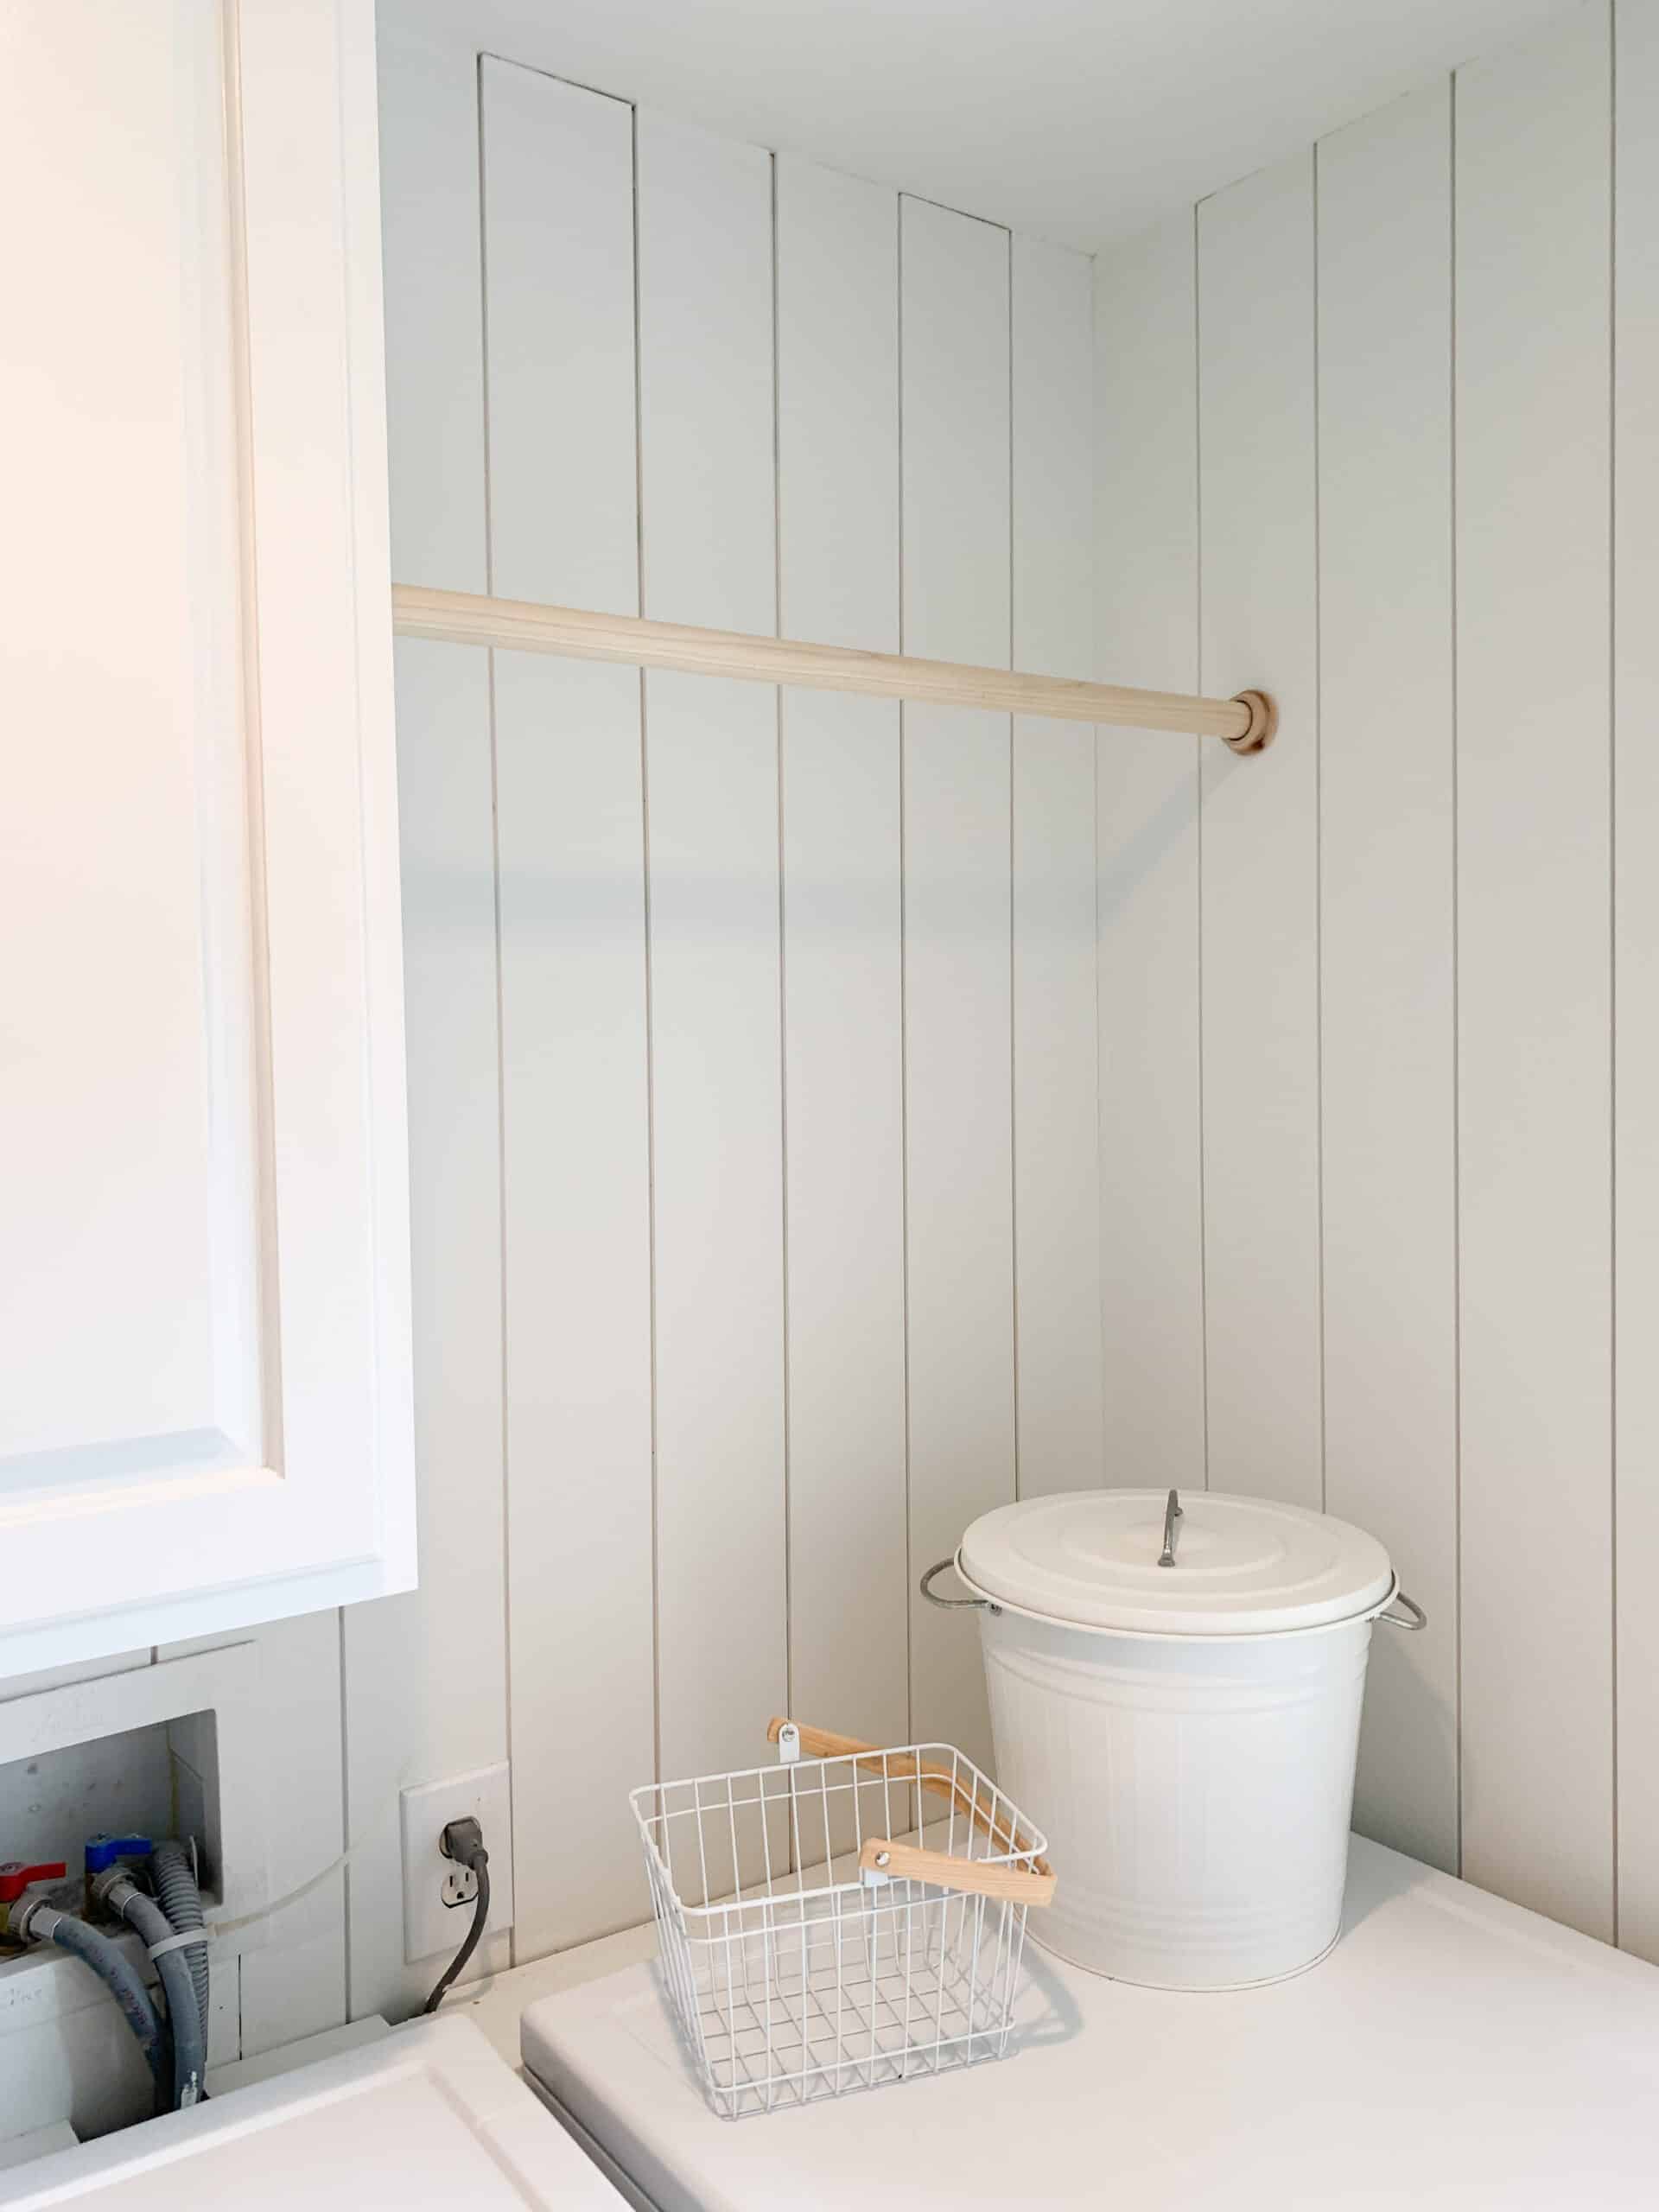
(1418, 1619)
(952, 1604)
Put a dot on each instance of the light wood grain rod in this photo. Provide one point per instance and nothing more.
(463, 617)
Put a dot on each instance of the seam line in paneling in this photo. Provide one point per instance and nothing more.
(904, 993)
(1319, 842)
(1197, 812)
(1014, 929)
(500, 972)
(650, 1052)
(1099, 1092)
(639, 432)
(345, 1837)
(949, 207)
(777, 440)
(1095, 598)
(1096, 602)
(1612, 905)
(1457, 980)
(484, 342)
(783, 958)
(554, 76)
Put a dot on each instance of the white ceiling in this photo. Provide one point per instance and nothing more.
(1082, 120)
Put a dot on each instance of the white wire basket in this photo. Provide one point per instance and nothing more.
(840, 1920)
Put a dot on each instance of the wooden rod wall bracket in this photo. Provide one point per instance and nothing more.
(1258, 734)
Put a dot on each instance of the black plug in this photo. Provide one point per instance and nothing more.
(463, 1842)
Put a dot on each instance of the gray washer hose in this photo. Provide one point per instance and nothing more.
(46, 1925)
(181, 1900)
(117, 1893)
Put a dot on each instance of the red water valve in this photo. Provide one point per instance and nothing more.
(15, 1877)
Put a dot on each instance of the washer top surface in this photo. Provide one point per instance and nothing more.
(427, 2118)
(1454, 2053)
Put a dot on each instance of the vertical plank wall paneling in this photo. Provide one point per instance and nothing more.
(1534, 901)
(1386, 832)
(434, 356)
(425, 1675)
(837, 260)
(1147, 895)
(558, 190)
(1635, 958)
(291, 1982)
(707, 507)
(1413, 932)
(1260, 870)
(720, 996)
(955, 355)
(286, 1976)
(1055, 1122)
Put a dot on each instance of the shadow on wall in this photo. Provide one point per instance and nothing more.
(1137, 858)
(1418, 1724)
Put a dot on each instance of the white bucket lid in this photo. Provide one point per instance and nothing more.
(1241, 1565)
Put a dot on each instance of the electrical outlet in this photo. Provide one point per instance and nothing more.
(438, 1894)
(461, 1886)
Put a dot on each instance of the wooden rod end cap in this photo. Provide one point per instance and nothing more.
(1258, 733)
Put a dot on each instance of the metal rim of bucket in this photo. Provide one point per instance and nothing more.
(982, 1601)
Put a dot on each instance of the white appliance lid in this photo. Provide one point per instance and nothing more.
(1453, 2053)
(1241, 1565)
(428, 2119)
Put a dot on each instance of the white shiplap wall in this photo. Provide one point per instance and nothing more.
(842, 954)
(1361, 435)
(1387, 786)
(1534, 888)
(570, 858)
(755, 1034)
(957, 893)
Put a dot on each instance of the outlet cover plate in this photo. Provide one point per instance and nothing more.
(431, 1927)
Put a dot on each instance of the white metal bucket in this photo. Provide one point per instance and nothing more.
(1197, 1790)
(1196, 1794)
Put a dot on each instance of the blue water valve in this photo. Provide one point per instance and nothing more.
(103, 1851)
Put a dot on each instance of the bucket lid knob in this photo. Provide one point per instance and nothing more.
(1171, 1515)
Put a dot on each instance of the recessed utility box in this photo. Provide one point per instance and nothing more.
(176, 1747)
(155, 1781)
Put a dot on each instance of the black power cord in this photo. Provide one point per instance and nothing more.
(463, 1842)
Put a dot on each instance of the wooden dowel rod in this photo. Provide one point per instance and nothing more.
(462, 617)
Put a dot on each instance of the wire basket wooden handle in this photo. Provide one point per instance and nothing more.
(894, 1766)
(978, 1877)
